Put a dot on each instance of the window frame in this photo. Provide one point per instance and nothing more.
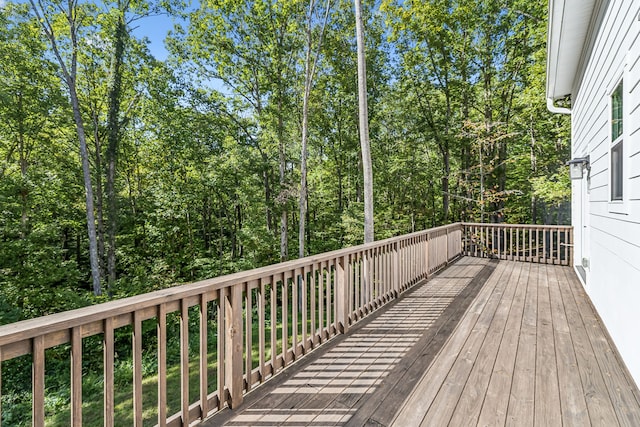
(618, 203)
(616, 146)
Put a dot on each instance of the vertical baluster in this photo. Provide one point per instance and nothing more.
(511, 244)
(374, 278)
(222, 347)
(350, 287)
(162, 365)
(204, 374)
(519, 243)
(403, 264)
(538, 244)
(274, 324)
(384, 283)
(421, 256)
(395, 269)
(321, 298)
(358, 283)
(371, 274)
(329, 291)
(387, 272)
(495, 245)
(377, 274)
(248, 332)
(184, 362)
(296, 286)
(474, 240)
(335, 296)
(426, 255)
(315, 278)
(108, 351)
(137, 369)
(363, 283)
(342, 295)
(558, 246)
(414, 259)
(285, 319)
(38, 381)
(261, 328)
(76, 376)
(468, 239)
(568, 260)
(305, 309)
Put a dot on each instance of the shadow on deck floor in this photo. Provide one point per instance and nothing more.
(362, 377)
(483, 342)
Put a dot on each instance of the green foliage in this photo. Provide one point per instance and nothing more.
(459, 131)
(554, 189)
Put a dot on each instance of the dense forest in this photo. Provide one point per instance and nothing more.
(121, 173)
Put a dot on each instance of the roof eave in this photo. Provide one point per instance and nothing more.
(568, 32)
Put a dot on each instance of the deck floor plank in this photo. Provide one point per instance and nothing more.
(573, 403)
(401, 381)
(522, 396)
(496, 402)
(468, 407)
(484, 342)
(429, 387)
(599, 404)
(547, 398)
(622, 390)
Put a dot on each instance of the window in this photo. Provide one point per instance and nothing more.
(617, 155)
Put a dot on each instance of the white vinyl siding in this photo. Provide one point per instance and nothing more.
(614, 226)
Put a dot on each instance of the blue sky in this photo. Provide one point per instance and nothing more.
(155, 28)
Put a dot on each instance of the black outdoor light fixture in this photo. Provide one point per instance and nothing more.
(577, 166)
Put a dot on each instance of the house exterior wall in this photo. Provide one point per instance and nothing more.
(608, 233)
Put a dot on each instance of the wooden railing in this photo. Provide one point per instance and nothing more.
(550, 244)
(250, 325)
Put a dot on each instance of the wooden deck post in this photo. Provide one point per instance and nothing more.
(342, 295)
(76, 376)
(109, 356)
(38, 381)
(233, 347)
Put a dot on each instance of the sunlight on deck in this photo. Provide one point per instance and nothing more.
(355, 368)
(527, 349)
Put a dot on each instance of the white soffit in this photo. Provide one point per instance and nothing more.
(567, 33)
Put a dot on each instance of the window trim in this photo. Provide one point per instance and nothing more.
(615, 205)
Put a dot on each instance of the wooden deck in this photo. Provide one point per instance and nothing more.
(484, 342)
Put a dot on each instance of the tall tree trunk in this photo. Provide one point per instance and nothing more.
(446, 159)
(363, 115)
(70, 73)
(114, 86)
(99, 189)
(24, 191)
(88, 188)
(309, 71)
(284, 214)
(303, 157)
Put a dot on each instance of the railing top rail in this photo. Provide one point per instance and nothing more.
(521, 226)
(69, 319)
